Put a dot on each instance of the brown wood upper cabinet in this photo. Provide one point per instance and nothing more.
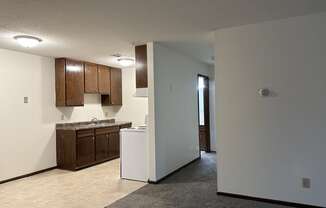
(116, 86)
(104, 80)
(141, 66)
(91, 78)
(69, 82)
(74, 78)
(115, 95)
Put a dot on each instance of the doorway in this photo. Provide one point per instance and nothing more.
(203, 113)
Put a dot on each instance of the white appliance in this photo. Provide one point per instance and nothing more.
(141, 92)
(134, 153)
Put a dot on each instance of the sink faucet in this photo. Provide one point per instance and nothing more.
(94, 120)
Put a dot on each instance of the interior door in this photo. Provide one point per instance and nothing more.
(203, 113)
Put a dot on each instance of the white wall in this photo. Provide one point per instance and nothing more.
(212, 108)
(134, 108)
(27, 141)
(266, 145)
(176, 111)
(151, 114)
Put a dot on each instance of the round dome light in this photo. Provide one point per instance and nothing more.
(126, 61)
(27, 41)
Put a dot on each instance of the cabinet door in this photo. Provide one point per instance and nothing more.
(104, 85)
(91, 84)
(60, 81)
(114, 145)
(74, 83)
(85, 150)
(101, 147)
(141, 66)
(116, 86)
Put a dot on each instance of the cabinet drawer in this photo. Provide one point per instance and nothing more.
(85, 132)
(107, 130)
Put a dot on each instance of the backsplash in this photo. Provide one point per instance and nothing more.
(92, 108)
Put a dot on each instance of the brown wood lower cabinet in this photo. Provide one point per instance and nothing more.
(102, 147)
(114, 145)
(82, 148)
(107, 143)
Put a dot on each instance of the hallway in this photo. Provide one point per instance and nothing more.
(192, 187)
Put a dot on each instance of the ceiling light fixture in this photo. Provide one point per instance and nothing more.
(126, 61)
(27, 41)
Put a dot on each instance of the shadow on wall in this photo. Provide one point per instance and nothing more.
(111, 110)
(108, 111)
(48, 148)
(66, 111)
(49, 112)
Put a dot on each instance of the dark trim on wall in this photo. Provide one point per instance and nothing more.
(177, 170)
(271, 201)
(27, 175)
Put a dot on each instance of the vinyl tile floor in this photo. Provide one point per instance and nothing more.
(94, 187)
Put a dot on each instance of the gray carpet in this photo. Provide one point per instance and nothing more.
(192, 187)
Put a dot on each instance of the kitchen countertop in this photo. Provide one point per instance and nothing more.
(90, 125)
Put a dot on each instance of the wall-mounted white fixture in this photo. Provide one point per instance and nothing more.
(264, 92)
(27, 41)
(126, 61)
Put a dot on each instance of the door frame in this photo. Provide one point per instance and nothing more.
(207, 117)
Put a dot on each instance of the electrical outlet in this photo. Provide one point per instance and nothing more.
(106, 114)
(62, 117)
(306, 183)
(25, 99)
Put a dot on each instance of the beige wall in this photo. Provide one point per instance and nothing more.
(267, 145)
(176, 110)
(212, 113)
(134, 108)
(27, 141)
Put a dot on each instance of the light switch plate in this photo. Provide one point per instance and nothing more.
(25, 99)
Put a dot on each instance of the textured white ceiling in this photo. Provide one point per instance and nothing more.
(94, 29)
